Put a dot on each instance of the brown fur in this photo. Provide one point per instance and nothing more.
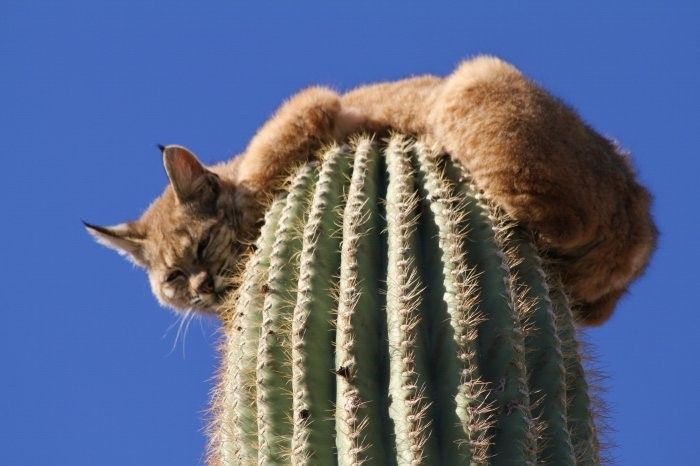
(526, 150)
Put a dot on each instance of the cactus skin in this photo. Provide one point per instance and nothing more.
(313, 381)
(390, 316)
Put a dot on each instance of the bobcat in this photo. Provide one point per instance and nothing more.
(525, 150)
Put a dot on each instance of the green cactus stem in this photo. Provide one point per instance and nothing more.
(391, 316)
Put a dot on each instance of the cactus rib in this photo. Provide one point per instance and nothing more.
(500, 337)
(408, 383)
(313, 381)
(546, 377)
(237, 433)
(580, 420)
(361, 422)
(274, 347)
(463, 391)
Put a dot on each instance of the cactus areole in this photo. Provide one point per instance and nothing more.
(390, 316)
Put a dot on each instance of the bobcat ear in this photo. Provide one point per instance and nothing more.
(192, 182)
(125, 238)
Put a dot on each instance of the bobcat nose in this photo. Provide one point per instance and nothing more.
(202, 283)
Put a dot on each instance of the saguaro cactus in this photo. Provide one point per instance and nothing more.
(390, 316)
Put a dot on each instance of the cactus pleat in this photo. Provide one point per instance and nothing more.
(580, 420)
(237, 429)
(360, 353)
(542, 348)
(456, 347)
(391, 316)
(313, 381)
(274, 368)
(408, 372)
(501, 352)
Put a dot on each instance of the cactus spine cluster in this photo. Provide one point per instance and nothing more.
(390, 316)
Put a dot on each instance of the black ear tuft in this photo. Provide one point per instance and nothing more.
(98, 229)
(126, 238)
(160, 147)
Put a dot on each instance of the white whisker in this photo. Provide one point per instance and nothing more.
(170, 327)
(189, 319)
(181, 319)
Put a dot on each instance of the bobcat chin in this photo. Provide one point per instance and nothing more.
(526, 150)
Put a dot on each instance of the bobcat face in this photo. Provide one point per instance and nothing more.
(188, 239)
(192, 265)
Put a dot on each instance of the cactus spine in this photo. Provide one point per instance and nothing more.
(390, 316)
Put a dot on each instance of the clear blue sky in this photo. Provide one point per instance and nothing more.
(87, 88)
